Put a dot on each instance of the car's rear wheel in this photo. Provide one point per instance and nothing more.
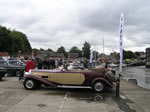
(98, 86)
(31, 84)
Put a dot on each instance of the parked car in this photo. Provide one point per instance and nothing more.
(1, 58)
(12, 69)
(98, 81)
(3, 71)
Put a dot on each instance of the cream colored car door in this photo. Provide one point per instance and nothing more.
(70, 78)
(52, 77)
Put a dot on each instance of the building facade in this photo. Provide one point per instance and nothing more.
(148, 57)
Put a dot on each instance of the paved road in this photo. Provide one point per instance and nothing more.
(140, 73)
(14, 98)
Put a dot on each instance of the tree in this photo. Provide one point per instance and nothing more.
(35, 49)
(62, 50)
(13, 41)
(41, 49)
(5, 40)
(128, 55)
(20, 42)
(50, 50)
(138, 53)
(86, 50)
(76, 50)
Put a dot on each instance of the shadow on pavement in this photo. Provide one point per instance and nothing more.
(107, 97)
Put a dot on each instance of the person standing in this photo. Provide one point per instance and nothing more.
(44, 64)
(22, 67)
(53, 64)
(30, 65)
(39, 63)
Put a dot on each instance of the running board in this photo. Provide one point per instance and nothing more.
(64, 86)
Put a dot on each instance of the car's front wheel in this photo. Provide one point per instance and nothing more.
(18, 73)
(1, 77)
(31, 84)
(98, 86)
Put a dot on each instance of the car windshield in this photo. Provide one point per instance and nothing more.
(13, 62)
(2, 63)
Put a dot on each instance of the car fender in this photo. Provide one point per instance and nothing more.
(102, 79)
(39, 79)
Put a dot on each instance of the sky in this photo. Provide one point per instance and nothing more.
(68, 23)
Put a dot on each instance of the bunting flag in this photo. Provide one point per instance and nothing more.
(121, 39)
(91, 55)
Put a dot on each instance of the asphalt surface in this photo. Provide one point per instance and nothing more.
(140, 73)
(14, 98)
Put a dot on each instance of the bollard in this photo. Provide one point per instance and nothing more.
(118, 87)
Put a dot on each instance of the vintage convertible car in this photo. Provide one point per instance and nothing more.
(97, 80)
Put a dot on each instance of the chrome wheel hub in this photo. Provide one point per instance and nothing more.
(18, 73)
(29, 84)
(99, 86)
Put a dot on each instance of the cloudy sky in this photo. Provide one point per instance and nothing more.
(68, 23)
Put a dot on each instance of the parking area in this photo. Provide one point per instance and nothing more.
(14, 98)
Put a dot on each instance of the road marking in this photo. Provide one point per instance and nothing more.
(62, 104)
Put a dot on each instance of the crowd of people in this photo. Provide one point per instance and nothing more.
(39, 64)
(48, 63)
(43, 64)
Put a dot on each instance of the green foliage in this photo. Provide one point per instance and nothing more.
(5, 40)
(41, 49)
(35, 49)
(62, 50)
(20, 42)
(76, 50)
(128, 55)
(50, 50)
(86, 50)
(13, 41)
(129, 60)
(138, 54)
